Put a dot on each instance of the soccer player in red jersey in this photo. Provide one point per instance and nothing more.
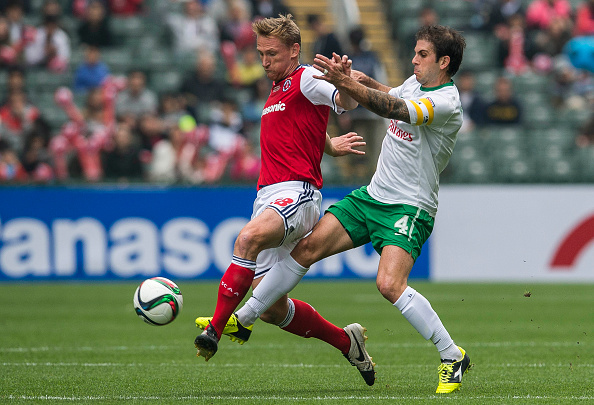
(293, 139)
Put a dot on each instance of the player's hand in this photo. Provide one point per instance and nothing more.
(346, 144)
(358, 76)
(346, 64)
(332, 70)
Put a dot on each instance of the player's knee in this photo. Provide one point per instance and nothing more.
(391, 288)
(306, 252)
(248, 240)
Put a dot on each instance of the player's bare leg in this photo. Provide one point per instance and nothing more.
(394, 269)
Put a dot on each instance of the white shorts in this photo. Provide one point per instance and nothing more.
(298, 203)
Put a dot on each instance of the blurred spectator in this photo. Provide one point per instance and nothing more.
(515, 47)
(252, 109)
(19, 34)
(14, 13)
(552, 40)
(193, 30)
(125, 8)
(15, 82)
(24, 5)
(79, 8)
(8, 55)
(151, 130)
(35, 158)
(585, 136)
(92, 72)
(122, 162)
(51, 46)
(237, 27)
(221, 9)
(427, 16)
(268, 8)
(229, 146)
(572, 89)
(94, 111)
(203, 86)
(473, 104)
(77, 148)
(165, 157)
(540, 13)
(10, 166)
(171, 108)
(494, 14)
(17, 117)
(136, 99)
(325, 41)
(248, 69)
(505, 109)
(94, 28)
(584, 19)
(361, 120)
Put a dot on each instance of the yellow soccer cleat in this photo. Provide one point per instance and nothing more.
(450, 373)
(234, 329)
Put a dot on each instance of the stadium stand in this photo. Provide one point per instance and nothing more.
(541, 149)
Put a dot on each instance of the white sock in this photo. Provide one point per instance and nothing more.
(418, 311)
(279, 280)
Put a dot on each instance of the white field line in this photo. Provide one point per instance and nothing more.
(283, 346)
(293, 398)
(252, 365)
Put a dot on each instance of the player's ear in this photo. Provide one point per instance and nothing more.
(295, 50)
(444, 62)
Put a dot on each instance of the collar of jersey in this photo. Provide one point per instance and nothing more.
(291, 74)
(450, 83)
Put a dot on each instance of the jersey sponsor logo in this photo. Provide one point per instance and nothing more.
(573, 245)
(287, 84)
(275, 89)
(399, 133)
(280, 106)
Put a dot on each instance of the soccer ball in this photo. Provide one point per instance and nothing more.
(158, 301)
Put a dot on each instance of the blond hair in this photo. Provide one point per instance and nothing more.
(282, 27)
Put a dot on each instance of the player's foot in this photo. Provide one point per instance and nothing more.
(207, 343)
(234, 329)
(451, 372)
(358, 355)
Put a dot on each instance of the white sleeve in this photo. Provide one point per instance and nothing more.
(319, 92)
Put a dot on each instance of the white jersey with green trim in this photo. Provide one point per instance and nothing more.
(413, 155)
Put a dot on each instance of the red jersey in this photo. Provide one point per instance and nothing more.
(293, 130)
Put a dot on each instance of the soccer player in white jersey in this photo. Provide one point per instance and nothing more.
(396, 211)
(293, 139)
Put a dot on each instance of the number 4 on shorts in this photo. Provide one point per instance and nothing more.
(402, 225)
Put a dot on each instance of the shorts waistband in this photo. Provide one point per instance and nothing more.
(288, 184)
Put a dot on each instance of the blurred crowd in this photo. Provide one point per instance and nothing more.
(202, 128)
(196, 121)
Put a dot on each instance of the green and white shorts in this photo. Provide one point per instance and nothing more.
(368, 220)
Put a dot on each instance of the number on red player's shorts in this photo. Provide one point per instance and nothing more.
(283, 202)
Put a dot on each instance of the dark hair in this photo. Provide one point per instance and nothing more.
(446, 42)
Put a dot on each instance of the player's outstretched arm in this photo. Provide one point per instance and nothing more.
(344, 145)
(369, 82)
(376, 101)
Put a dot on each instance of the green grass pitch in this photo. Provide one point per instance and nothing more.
(82, 343)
